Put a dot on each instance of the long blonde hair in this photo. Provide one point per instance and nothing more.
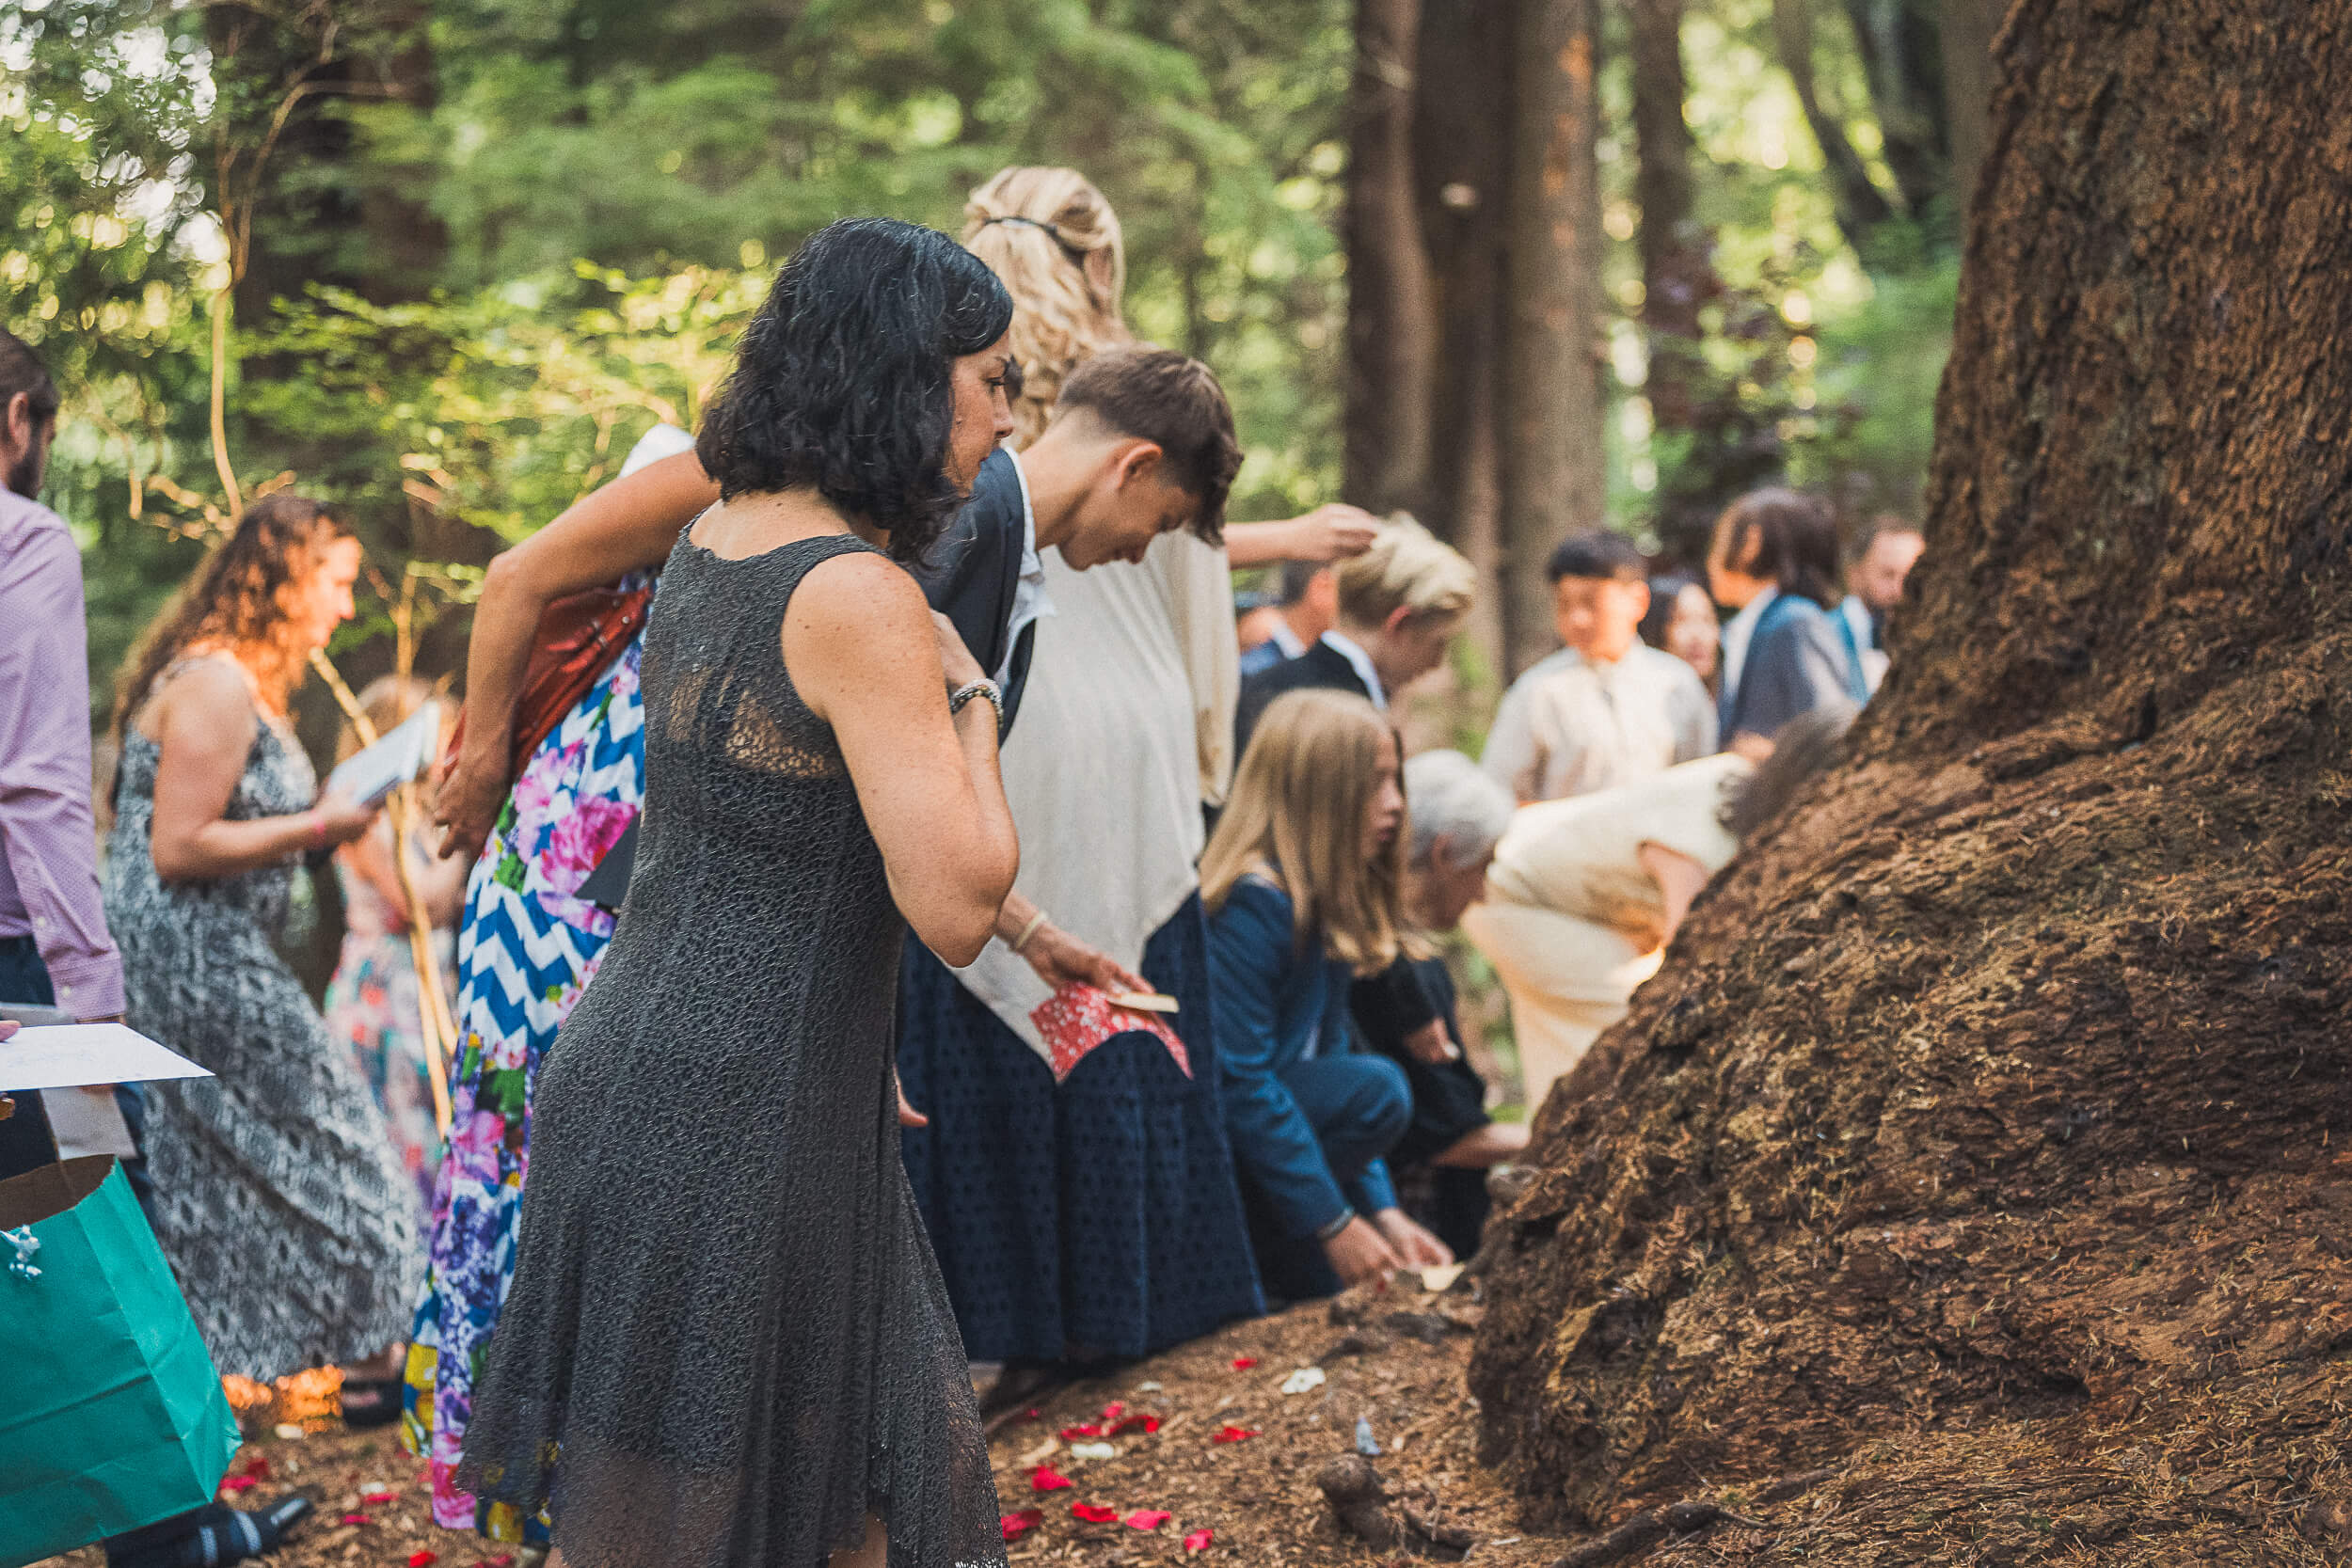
(1053, 239)
(1296, 817)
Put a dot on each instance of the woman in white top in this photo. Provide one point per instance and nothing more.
(1585, 893)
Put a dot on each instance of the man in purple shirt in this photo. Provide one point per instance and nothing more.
(54, 950)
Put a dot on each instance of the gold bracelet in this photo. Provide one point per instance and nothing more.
(1029, 930)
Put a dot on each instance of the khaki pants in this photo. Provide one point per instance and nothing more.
(1568, 979)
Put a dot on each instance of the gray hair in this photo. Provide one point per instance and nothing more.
(1451, 797)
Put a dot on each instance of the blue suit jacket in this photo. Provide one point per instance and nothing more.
(1276, 1007)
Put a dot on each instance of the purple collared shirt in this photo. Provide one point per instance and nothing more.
(48, 844)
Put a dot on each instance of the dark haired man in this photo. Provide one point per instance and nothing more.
(1607, 708)
(1306, 604)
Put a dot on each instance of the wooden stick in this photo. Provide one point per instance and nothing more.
(433, 1021)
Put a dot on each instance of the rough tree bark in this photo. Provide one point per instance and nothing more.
(1554, 467)
(1978, 1139)
(1462, 154)
(1392, 314)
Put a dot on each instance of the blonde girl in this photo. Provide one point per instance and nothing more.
(1303, 881)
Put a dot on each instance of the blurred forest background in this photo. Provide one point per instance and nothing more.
(1521, 265)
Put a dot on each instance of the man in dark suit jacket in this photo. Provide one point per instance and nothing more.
(1400, 603)
(973, 576)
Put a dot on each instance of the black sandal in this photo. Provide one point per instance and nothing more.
(377, 1404)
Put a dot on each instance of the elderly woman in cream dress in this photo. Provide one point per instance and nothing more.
(1584, 893)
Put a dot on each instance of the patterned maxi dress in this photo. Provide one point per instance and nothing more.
(526, 946)
(288, 1220)
(727, 1341)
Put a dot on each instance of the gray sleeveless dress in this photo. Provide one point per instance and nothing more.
(279, 1202)
(727, 1340)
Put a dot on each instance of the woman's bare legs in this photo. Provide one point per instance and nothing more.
(874, 1552)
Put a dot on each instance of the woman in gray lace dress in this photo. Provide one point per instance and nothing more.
(290, 1222)
(727, 1344)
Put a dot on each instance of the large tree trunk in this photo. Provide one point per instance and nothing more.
(1391, 316)
(1977, 1141)
(1555, 468)
(1462, 154)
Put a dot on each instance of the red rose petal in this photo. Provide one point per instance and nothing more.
(1147, 1423)
(1088, 1430)
(256, 1469)
(1243, 1363)
(1234, 1434)
(423, 1560)
(1114, 1410)
(1031, 1413)
(358, 1519)
(1094, 1513)
(372, 1497)
(1018, 1525)
(1042, 1479)
(239, 1483)
(504, 1559)
(1147, 1518)
(1199, 1540)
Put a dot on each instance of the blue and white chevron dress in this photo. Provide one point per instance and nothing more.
(526, 948)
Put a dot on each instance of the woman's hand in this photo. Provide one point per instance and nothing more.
(467, 798)
(1359, 1253)
(908, 1114)
(1061, 959)
(955, 660)
(1332, 532)
(338, 820)
(1415, 1246)
(1431, 1044)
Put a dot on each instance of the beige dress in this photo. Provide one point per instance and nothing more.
(1571, 921)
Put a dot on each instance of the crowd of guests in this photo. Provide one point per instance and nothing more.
(1005, 947)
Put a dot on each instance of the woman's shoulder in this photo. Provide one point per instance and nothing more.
(1255, 899)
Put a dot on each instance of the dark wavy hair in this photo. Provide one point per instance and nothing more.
(237, 599)
(842, 379)
(1794, 542)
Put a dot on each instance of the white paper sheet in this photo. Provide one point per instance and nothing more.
(67, 1056)
(398, 758)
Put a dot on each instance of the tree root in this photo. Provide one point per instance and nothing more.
(1360, 1496)
(1638, 1534)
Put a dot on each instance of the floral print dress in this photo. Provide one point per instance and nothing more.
(526, 946)
(374, 1006)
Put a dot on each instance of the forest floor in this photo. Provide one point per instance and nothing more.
(2169, 1486)
(1396, 1361)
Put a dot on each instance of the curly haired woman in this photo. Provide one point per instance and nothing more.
(289, 1221)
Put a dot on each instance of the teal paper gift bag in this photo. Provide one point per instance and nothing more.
(112, 1417)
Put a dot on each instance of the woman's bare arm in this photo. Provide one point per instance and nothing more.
(864, 653)
(204, 723)
(628, 526)
(1332, 532)
(1679, 878)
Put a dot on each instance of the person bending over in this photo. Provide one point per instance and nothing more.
(1399, 604)
(1585, 894)
(1458, 814)
(1303, 880)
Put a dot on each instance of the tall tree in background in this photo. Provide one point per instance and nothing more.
(1462, 156)
(1965, 43)
(1391, 310)
(1555, 468)
(1973, 1154)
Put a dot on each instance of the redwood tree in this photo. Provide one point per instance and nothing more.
(1977, 1143)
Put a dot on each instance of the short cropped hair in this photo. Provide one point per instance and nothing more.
(1406, 568)
(21, 371)
(1174, 402)
(1795, 542)
(1598, 554)
(1295, 577)
(1451, 798)
(843, 380)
